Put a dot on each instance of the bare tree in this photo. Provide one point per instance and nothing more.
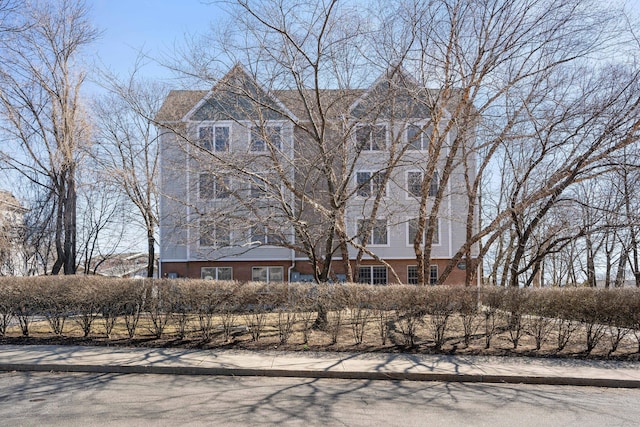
(127, 150)
(44, 124)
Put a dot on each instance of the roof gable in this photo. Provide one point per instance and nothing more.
(394, 94)
(237, 96)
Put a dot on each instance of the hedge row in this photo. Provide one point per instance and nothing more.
(539, 313)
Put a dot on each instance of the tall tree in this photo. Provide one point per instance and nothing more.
(43, 124)
(127, 150)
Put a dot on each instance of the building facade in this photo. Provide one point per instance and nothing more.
(293, 185)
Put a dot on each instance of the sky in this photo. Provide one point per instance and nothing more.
(153, 26)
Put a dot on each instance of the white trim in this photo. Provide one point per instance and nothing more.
(439, 234)
(407, 194)
(215, 124)
(215, 88)
(387, 131)
(374, 245)
(371, 184)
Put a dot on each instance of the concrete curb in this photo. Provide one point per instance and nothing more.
(352, 375)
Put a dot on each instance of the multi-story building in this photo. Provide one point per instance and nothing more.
(261, 185)
(12, 255)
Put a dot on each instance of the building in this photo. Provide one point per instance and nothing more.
(12, 254)
(268, 185)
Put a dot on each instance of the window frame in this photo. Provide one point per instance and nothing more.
(257, 131)
(433, 278)
(434, 184)
(269, 269)
(216, 276)
(216, 227)
(369, 144)
(370, 238)
(268, 239)
(372, 276)
(217, 192)
(435, 241)
(212, 144)
(422, 131)
(372, 184)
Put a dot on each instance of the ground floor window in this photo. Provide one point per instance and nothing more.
(412, 274)
(267, 274)
(216, 273)
(373, 275)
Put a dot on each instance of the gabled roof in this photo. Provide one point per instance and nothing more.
(178, 103)
(237, 96)
(394, 93)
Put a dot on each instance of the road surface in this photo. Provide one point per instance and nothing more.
(116, 399)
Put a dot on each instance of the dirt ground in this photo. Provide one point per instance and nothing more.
(322, 340)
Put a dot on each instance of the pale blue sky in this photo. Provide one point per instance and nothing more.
(149, 25)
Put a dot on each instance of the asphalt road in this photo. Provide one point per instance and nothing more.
(141, 400)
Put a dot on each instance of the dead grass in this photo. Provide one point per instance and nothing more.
(270, 338)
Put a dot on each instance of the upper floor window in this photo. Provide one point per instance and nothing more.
(262, 235)
(412, 230)
(262, 137)
(417, 138)
(369, 184)
(212, 187)
(414, 184)
(214, 138)
(214, 233)
(371, 137)
(378, 233)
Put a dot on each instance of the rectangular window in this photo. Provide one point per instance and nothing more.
(433, 274)
(258, 188)
(412, 229)
(216, 273)
(371, 137)
(412, 274)
(262, 137)
(267, 274)
(378, 234)
(370, 184)
(373, 275)
(417, 138)
(414, 183)
(214, 233)
(260, 234)
(212, 187)
(214, 138)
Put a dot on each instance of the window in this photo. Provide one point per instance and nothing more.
(373, 275)
(261, 235)
(212, 187)
(412, 229)
(214, 138)
(370, 183)
(267, 274)
(214, 233)
(378, 234)
(412, 274)
(258, 188)
(417, 139)
(371, 138)
(262, 137)
(414, 184)
(433, 186)
(216, 273)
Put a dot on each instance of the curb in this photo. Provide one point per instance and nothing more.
(350, 375)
